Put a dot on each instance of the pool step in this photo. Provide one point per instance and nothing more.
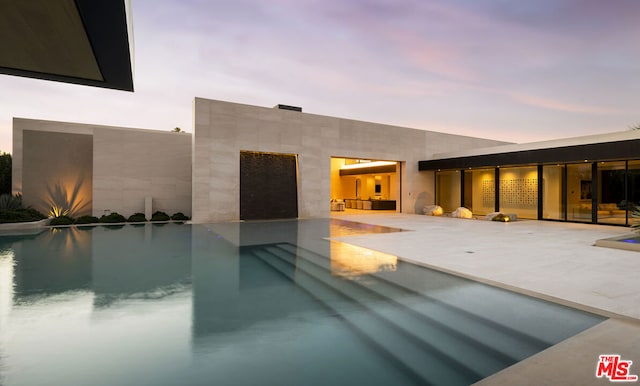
(526, 319)
(493, 338)
(401, 312)
(426, 364)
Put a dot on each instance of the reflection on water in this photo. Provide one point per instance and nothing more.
(351, 261)
(235, 291)
(56, 261)
(340, 228)
(143, 262)
(96, 298)
(6, 301)
(234, 303)
(6, 284)
(166, 305)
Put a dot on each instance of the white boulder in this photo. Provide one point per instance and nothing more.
(462, 212)
(432, 210)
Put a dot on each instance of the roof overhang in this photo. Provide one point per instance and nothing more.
(606, 151)
(84, 42)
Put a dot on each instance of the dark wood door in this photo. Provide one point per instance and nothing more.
(268, 186)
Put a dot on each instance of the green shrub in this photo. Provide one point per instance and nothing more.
(32, 212)
(179, 217)
(160, 216)
(9, 202)
(5, 172)
(87, 220)
(62, 220)
(137, 217)
(635, 215)
(112, 218)
(20, 215)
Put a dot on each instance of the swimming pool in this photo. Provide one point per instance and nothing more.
(252, 304)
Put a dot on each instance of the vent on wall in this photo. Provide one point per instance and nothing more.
(287, 107)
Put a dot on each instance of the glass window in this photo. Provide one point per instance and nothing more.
(479, 191)
(552, 200)
(633, 188)
(519, 191)
(448, 190)
(611, 194)
(579, 188)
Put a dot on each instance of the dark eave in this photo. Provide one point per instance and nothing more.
(617, 150)
(73, 41)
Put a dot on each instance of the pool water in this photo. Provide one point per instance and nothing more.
(265, 303)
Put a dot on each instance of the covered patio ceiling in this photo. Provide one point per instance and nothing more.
(84, 42)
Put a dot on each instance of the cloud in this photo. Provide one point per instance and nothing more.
(553, 104)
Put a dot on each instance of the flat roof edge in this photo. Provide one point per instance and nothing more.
(556, 143)
(607, 151)
(203, 99)
(91, 126)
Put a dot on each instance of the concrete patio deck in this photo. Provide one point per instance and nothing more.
(550, 260)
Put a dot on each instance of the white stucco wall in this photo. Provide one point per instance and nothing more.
(128, 165)
(223, 129)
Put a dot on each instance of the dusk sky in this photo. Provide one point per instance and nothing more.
(517, 71)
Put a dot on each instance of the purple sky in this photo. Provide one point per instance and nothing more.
(511, 70)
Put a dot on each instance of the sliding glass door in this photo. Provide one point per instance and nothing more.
(553, 204)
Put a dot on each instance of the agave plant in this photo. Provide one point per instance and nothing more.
(63, 202)
(635, 214)
(9, 202)
(58, 211)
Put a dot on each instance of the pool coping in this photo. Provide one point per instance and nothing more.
(24, 224)
(12, 228)
(617, 243)
(97, 224)
(524, 291)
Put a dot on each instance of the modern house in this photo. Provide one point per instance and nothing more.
(241, 162)
(253, 162)
(593, 179)
(95, 170)
(247, 162)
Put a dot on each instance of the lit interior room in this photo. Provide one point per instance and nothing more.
(518, 190)
(364, 185)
